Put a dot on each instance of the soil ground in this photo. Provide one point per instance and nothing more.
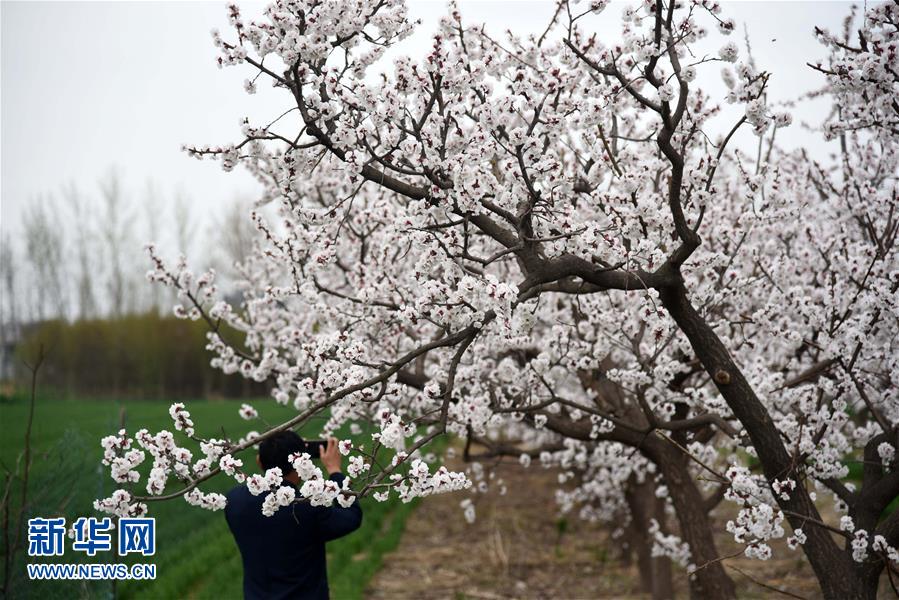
(517, 548)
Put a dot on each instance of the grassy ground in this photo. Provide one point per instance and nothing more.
(196, 556)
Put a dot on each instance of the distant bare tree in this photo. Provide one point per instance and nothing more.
(153, 207)
(185, 226)
(84, 251)
(235, 233)
(43, 244)
(115, 231)
(9, 321)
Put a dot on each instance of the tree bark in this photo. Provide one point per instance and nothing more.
(831, 564)
(710, 580)
(655, 572)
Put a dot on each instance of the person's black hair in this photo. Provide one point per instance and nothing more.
(275, 450)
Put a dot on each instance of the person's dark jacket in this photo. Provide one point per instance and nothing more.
(284, 555)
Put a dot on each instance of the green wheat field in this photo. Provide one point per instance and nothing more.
(195, 554)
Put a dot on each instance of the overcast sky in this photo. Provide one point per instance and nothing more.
(90, 86)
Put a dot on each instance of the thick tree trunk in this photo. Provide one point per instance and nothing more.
(866, 577)
(655, 572)
(710, 580)
(831, 565)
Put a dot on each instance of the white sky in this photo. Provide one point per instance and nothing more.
(87, 86)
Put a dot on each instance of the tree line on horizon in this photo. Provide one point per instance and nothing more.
(72, 282)
(147, 355)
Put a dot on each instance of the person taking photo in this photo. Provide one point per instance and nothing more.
(284, 555)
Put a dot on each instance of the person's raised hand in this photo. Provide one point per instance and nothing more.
(330, 457)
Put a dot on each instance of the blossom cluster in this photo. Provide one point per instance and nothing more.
(499, 244)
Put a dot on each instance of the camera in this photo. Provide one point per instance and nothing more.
(311, 447)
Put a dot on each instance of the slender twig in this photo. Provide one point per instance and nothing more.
(763, 584)
(12, 549)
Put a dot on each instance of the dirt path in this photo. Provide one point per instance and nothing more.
(515, 550)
